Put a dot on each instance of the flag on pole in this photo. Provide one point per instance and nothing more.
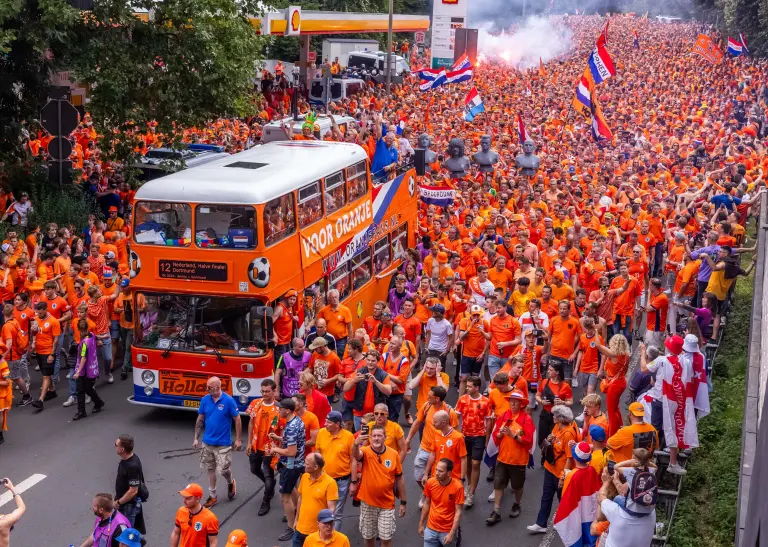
(743, 42)
(542, 72)
(582, 99)
(600, 129)
(637, 40)
(522, 133)
(461, 63)
(578, 506)
(458, 76)
(473, 105)
(600, 65)
(602, 40)
(707, 48)
(734, 47)
(644, 17)
(401, 125)
(432, 78)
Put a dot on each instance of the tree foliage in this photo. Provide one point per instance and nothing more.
(747, 16)
(192, 61)
(33, 33)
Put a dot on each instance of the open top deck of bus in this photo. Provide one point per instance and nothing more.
(254, 176)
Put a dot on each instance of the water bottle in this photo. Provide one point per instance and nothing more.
(237, 346)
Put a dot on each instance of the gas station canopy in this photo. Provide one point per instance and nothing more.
(329, 22)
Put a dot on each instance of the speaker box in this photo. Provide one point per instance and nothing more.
(420, 161)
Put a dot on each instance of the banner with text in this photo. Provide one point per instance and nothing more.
(439, 196)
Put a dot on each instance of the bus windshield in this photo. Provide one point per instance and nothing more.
(202, 324)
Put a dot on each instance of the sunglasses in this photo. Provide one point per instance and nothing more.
(380, 414)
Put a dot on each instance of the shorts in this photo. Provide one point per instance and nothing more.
(216, 458)
(114, 329)
(46, 368)
(475, 447)
(289, 478)
(587, 379)
(506, 474)
(420, 464)
(19, 369)
(346, 411)
(376, 522)
(722, 306)
(471, 366)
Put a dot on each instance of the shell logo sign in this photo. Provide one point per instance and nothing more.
(293, 28)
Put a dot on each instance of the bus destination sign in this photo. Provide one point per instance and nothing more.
(192, 270)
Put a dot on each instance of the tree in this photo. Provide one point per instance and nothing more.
(191, 62)
(32, 35)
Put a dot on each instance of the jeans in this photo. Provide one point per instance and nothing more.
(298, 539)
(658, 260)
(626, 330)
(85, 387)
(56, 367)
(358, 420)
(394, 404)
(262, 468)
(701, 288)
(104, 355)
(127, 336)
(131, 510)
(338, 514)
(549, 489)
(341, 345)
(495, 364)
(433, 538)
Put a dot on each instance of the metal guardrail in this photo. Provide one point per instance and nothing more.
(752, 502)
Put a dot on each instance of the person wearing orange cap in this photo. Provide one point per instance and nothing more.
(114, 223)
(194, 525)
(237, 538)
(284, 323)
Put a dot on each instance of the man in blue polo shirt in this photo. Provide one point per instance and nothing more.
(214, 423)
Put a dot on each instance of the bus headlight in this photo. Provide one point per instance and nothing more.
(148, 391)
(243, 400)
(148, 377)
(243, 385)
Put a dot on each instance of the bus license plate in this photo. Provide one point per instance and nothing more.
(192, 404)
(189, 384)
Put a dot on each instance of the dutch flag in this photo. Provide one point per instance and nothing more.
(601, 65)
(432, 78)
(743, 42)
(401, 126)
(734, 47)
(473, 105)
(583, 93)
(458, 76)
(521, 130)
(461, 63)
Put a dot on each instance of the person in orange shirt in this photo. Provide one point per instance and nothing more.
(500, 276)
(515, 440)
(399, 369)
(588, 358)
(563, 334)
(194, 524)
(47, 331)
(474, 335)
(15, 343)
(593, 416)
(557, 459)
(338, 319)
(506, 335)
(656, 309)
(443, 505)
(448, 443)
(624, 303)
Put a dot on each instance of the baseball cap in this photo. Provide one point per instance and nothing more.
(325, 515)
(109, 255)
(192, 489)
(287, 403)
(107, 273)
(636, 409)
(582, 452)
(236, 538)
(112, 209)
(318, 342)
(597, 433)
(674, 344)
(476, 310)
(334, 416)
(124, 282)
(291, 292)
(130, 537)
(6, 247)
(438, 308)
(467, 241)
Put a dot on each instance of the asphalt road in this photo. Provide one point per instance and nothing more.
(77, 460)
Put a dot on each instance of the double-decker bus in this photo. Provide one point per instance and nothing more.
(215, 247)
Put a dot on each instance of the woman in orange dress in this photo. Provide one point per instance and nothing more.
(6, 397)
(613, 372)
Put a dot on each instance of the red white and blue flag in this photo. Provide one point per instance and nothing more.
(583, 96)
(602, 40)
(600, 65)
(401, 125)
(600, 129)
(461, 63)
(439, 196)
(458, 76)
(521, 131)
(431, 78)
(473, 105)
(743, 42)
(578, 507)
(735, 47)
(492, 449)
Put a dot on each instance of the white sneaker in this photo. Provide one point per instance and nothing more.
(676, 469)
(466, 490)
(70, 401)
(574, 383)
(110, 378)
(87, 399)
(537, 529)
(492, 497)
(469, 501)
(422, 500)
(37, 367)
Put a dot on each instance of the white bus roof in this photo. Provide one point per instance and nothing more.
(254, 176)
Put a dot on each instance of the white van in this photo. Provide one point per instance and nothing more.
(273, 131)
(376, 62)
(341, 88)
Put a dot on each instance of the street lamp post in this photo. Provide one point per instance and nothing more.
(389, 47)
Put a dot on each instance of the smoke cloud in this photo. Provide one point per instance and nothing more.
(522, 46)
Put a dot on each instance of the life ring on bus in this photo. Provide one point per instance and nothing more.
(259, 272)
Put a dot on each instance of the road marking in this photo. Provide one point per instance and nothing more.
(22, 487)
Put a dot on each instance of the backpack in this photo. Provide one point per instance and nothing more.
(732, 268)
(643, 493)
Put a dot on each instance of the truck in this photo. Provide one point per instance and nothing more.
(342, 47)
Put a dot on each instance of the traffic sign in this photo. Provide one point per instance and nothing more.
(312, 56)
(60, 148)
(59, 118)
(420, 37)
(60, 172)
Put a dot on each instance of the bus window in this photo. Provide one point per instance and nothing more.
(357, 180)
(160, 223)
(310, 204)
(339, 280)
(399, 241)
(202, 324)
(314, 299)
(279, 219)
(381, 255)
(361, 269)
(225, 226)
(335, 196)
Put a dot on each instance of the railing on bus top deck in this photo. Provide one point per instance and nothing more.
(383, 176)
